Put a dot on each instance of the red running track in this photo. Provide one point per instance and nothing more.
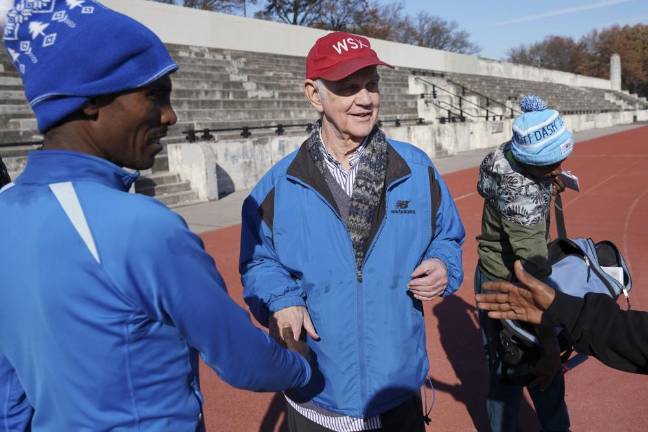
(612, 205)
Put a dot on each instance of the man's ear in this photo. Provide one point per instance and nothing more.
(313, 95)
(91, 108)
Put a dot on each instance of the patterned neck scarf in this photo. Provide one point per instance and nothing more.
(367, 189)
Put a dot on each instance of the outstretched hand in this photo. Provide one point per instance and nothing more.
(526, 302)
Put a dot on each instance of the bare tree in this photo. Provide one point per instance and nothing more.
(366, 17)
(298, 12)
(382, 21)
(434, 32)
(225, 6)
(341, 14)
(387, 21)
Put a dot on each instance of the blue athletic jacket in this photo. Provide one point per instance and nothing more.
(106, 300)
(296, 250)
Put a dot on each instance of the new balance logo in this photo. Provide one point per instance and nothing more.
(347, 44)
(402, 207)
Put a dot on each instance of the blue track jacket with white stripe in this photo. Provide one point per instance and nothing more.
(106, 300)
(296, 250)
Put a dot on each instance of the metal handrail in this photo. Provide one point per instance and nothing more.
(246, 131)
(450, 111)
(398, 121)
(488, 98)
(461, 98)
(21, 143)
(463, 90)
(490, 115)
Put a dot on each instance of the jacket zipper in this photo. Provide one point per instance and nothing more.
(359, 278)
(359, 297)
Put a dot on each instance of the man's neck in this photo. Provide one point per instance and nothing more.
(71, 137)
(338, 146)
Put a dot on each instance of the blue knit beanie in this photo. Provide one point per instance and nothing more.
(68, 51)
(540, 136)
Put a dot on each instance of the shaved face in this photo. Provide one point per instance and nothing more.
(350, 106)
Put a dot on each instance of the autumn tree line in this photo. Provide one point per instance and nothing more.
(590, 55)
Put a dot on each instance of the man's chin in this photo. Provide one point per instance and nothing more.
(362, 130)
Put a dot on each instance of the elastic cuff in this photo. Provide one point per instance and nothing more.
(286, 301)
(308, 372)
(447, 291)
(442, 261)
(563, 311)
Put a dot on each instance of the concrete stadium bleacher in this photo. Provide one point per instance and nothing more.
(566, 99)
(216, 89)
(228, 89)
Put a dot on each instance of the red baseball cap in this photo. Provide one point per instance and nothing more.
(339, 54)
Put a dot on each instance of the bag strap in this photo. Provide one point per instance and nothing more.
(560, 217)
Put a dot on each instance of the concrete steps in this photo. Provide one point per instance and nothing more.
(157, 182)
(15, 158)
(562, 97)
(12, 137)
(214, 88)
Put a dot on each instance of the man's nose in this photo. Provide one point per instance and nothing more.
(169, 116)
(363, 97)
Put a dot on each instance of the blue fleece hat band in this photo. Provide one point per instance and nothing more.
(540, 137)
(68, 51)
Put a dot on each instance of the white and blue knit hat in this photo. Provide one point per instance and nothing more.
(540, 136)
(68, 51)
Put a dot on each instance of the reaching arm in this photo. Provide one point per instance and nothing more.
(599, 327)
(596, 324)
(177, 283)
(268, 285)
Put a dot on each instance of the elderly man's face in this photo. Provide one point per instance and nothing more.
(132, 124)
(351, 105)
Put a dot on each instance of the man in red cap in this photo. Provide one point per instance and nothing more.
(342, 242)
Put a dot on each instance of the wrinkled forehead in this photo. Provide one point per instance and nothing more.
(366, 74)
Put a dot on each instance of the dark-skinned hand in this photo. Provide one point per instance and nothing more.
(526, 301)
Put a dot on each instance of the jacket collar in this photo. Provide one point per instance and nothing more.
(304, 169)
(56, 166)
(397, 168)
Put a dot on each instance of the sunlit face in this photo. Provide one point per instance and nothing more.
(350, 106)
(133, 124)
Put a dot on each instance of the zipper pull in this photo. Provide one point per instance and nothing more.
(589, 268)
(627, 297)
(359, 275)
